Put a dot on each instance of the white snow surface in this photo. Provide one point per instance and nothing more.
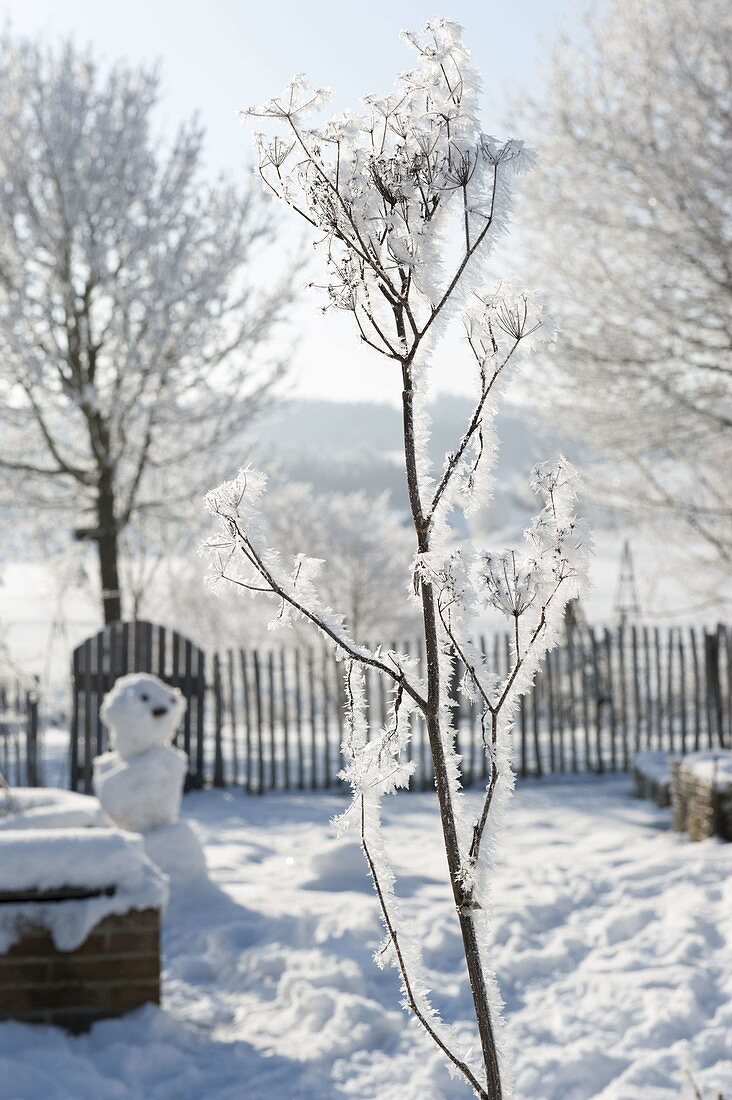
(176, 849)
(655, 765)
(712, 766)
(612, 945)
(44, 859)
(49, 808)
(141, 791)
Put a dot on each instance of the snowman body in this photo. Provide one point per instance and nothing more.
(139, 783)
(141, 791)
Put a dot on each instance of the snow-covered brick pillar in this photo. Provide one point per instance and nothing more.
(652, 776)
(79, 926)
(701, 794)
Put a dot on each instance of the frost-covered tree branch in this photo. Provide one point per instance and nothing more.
(235, 504)
(407, 199)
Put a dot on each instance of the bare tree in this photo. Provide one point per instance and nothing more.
(365, 548)
(629, 229)
(129, 329)
(405, 198)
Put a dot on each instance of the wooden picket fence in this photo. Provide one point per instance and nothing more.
(272, 719)
(21, 759)
(599, 698)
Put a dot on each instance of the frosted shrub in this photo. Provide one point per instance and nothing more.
(406, 199)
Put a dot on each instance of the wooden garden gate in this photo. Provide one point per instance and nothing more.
(134, 647)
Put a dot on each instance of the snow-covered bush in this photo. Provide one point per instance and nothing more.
(406, 200)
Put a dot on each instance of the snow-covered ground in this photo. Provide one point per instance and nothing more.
(613, 948)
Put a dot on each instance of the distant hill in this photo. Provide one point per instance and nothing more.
(338, 446)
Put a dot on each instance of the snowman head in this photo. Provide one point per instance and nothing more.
(141, 712)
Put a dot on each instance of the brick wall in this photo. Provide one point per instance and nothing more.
(115, 970)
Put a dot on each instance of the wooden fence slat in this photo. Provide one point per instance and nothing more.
(88, 724)
(649, 689)
(298, 724)
(187, 691)
(713, 680)
(637, 704)
(548, 674)
(697, 688)
(313, 730)
(659, 688)
(219, 776)
(536, 721)
(272, 717)
(682, 689)
(607, 638)
(98, 648)
(285, 720)
(670, 689)
(326, 718)
(725, 652)
(33, 763)
(76, 688)
(598, 699)
(571, 661)
(233, 717)
(556, 657)
(247, 707)
(425, 755)
(161, 663)
(259, 720)
(200, 730)
(623, 680)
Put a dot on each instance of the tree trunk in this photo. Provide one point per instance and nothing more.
(463, 902)
(107, 542)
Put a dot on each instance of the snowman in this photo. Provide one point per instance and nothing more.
(139, 783)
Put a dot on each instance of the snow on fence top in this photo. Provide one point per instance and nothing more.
(109, 864)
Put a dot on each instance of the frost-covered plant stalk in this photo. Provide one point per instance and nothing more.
(406, 199)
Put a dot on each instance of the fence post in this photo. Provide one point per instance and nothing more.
(31, 737)
(200, 717)
(637, 704)
(670, 698)
(682, 690)
(298, 725)
(285, 719)
(74, 732)
(596, 690)
(219, 779)
(326, 718)
(247, 717)
(260, 720)
(572, 695)
(272, 716)
(622, 674)
(611, 698)
(233, 718)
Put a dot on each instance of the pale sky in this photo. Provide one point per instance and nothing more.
(219, 55)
